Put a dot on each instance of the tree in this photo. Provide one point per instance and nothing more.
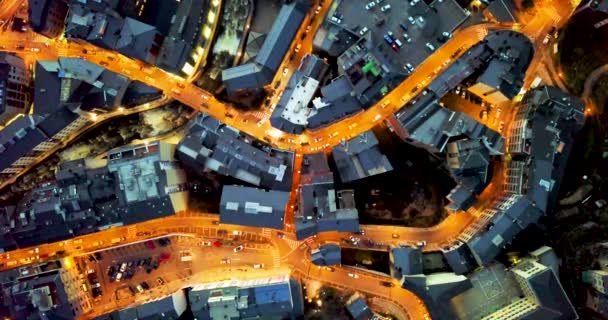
(527, 4)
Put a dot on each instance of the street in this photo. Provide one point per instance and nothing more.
(189, 229)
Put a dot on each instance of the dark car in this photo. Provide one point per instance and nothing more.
(96, 292)
(145, 285)
(133, 290)
(164, 242)
(98, 256)
(387, 284)
(111, 270)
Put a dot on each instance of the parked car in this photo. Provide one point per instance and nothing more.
(239, 248)
(150, 244)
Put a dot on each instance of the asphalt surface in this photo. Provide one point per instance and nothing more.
(292, 256)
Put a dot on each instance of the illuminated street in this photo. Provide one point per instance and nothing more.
(278, 252)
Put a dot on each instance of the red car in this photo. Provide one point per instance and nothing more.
(164, 257)
(150, 244)
(217, 243)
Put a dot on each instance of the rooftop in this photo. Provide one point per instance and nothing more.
(253, 207)
(360, 157)
(214, 146)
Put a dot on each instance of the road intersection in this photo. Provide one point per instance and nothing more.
(294, 255)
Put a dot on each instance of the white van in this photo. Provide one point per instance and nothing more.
(430, 46)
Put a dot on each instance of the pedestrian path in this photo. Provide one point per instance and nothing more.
(292, 243)
(276, 259)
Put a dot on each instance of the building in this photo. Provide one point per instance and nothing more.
(358, 308)
(459, 257)
(93, 23)
(468, 145)
(300, 108)
(253, 207)
(75, 81)
(41, 291)
(598, 279)
(326, 255)
(543, 295)
(469, 163)
(504, 72)
(320, 207)
(170, 307)
(47, 17)
(541, 138)
(359, 158)
(253, 76)
(273, 298)
(137, 183)
(150, 183)
(292, 110)
(405, 261)
(428, 125)
(173, 41)
(214, 146)
(511, 215)
(15, 87)
(436, 290)
(503, 10)
(184, 34)
(367, 70)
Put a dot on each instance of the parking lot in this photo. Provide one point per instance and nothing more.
(410, 27)
(125, 271)
(143, 270)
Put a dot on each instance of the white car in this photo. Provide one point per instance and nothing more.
(206, 243)
(386, 8)
(258, 266)
(421, 244)
(353, 275)
(407, 38)
(298, 47)
(239, 248)
(363, 31)
(318, 9)
(370, 5)
(285, 71)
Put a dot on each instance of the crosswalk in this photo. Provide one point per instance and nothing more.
(292, 243)
(266, 232)
(276, 258)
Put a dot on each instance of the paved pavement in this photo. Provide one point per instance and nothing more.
(292, 256)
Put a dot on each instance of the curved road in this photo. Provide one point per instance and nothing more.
(592, 79)
(316, 140)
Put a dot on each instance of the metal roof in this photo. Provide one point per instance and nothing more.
(253, 207)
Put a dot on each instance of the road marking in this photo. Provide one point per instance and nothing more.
(266, 232)
(276, 259)
(292, 243)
